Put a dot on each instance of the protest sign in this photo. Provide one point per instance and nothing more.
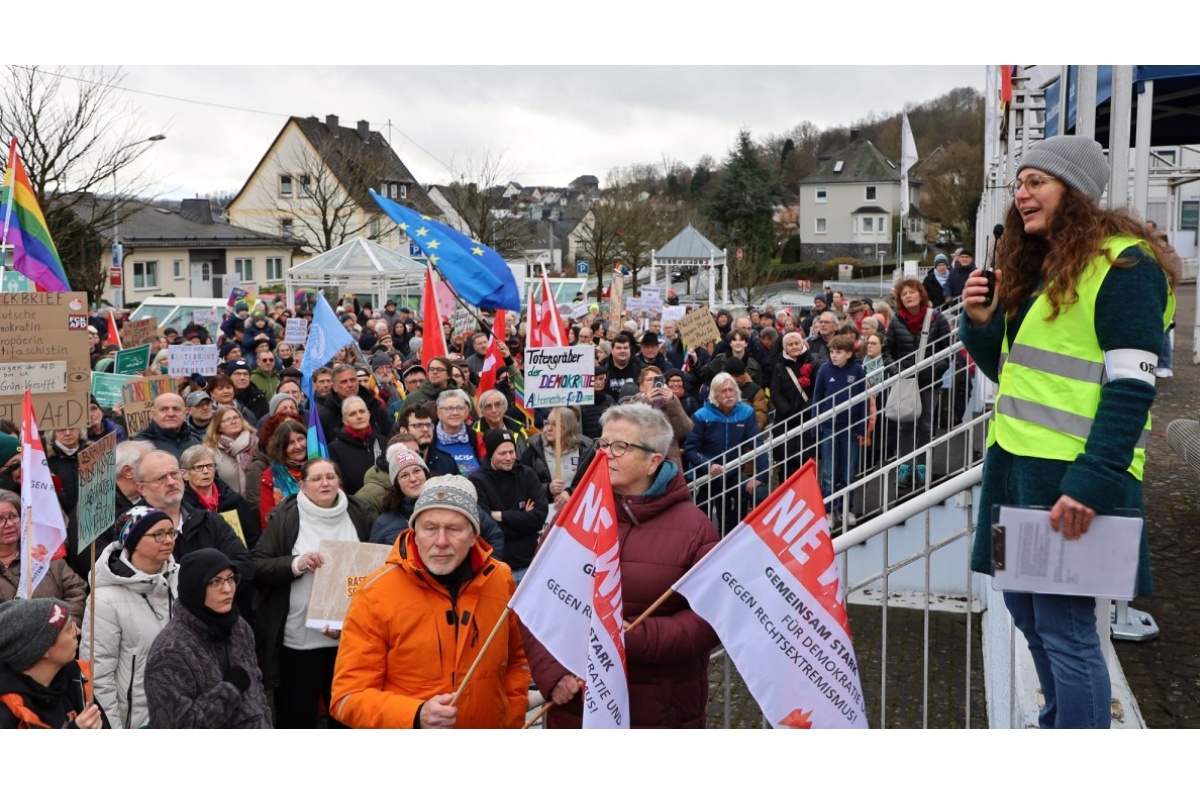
(559, 376)
(463, 321)
(44, 347)
(651, 294)
(347, 565)
(673, 313)
(136, 332)
(192, 359)
(138, 396)
(203, 316)
(296, 331)
(106, 388)
(97, 489)
(579, 311)
(133, 360)
(771, 591)
(699, 329)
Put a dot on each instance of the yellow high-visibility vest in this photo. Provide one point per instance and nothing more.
(1050, 381)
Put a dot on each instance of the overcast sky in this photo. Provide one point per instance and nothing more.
(551, 123)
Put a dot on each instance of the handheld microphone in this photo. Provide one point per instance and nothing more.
(989, 267)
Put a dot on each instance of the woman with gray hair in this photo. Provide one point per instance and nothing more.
(574, 452)
(663, 534)
(357, 446)
(203, 490)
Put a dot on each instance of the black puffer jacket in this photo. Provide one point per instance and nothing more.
(900, 347)
(229, 500)
(508, 492)
(355, 456)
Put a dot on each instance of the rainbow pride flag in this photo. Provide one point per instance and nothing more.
(34, 254)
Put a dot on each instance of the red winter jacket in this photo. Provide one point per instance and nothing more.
(662, 534)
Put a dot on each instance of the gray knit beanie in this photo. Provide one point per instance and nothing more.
(1078, 161)
(275, 402)
(399, 457)
(28, 628)
(451, 492)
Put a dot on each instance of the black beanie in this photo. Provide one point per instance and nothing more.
(195, 571)
(134, 523)
(494, 438)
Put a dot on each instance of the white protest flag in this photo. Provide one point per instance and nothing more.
(570, 598)
(908, 158)
(43, 532)
(771, 591)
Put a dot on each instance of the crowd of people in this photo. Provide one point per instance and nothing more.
(203, 582)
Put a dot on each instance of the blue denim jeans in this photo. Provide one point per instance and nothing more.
(1062, 637)
(1164, 360)
(839, 460)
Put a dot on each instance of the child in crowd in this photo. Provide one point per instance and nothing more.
(840, 379)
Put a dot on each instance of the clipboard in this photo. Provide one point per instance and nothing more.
(1030, 556)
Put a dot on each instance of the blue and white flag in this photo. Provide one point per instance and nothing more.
(476, 272)
(326, 336)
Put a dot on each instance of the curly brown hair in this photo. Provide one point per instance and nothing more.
(910, 283)
(1057, 260)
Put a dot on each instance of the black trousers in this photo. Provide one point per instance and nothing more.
(305, 679)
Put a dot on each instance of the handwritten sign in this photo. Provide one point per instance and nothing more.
(97, 489)
(699, 329)
(192, 359)
(673, 313)
(142, 331)
(138, 396)
(203, 316)
(579, 310)
(133, 360)
(559, 376)
(38, 329)
(296, 331)
(347, 566)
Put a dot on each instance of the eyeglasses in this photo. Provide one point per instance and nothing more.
(219, 583)
(420, 426)
(204, 467)
(11, 519)
(436, 369)
(1033, 183)
(322, 479)
(164, 536)
(618, 449)
(164, 479)
(455, 409)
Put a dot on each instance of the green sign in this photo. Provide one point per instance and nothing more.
(133, 360)
(15, 282)
(107, 388)
(1189, 215)
(97, 489)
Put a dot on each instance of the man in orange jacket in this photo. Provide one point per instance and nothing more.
(418, 623)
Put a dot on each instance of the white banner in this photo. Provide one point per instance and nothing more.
(559, 376)
(192, 359)
(771, 591)
(570, 598)
(43, 528)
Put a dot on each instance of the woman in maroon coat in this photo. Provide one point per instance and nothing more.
(662, 535)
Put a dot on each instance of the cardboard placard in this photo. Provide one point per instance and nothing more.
(142, 331)
(138, 396)
(296, 331)
(38, 332)
(192, 359)
(133, 360)
(559, 376)
(97, 489)
(347, 566)
(699, 329)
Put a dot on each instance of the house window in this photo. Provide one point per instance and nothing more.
(286, 225)
(870, 192)
(881, 226)
(868, 224)
(303, 189)
(822, 194)
(145, 274)
(177, 269)
(1162, 158)
(285, 185)
(820, 225)
(373, 228)
(274, 269)
(403, 191)
(244, 267)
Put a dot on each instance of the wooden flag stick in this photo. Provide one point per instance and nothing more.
(487, 643)
(557, 444)
(653, 607)
(92, 613)
(549, 704)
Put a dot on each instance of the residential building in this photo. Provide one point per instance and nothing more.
(312, 186)
(850, 205)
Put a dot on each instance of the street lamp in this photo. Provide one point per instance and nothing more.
(117, 255)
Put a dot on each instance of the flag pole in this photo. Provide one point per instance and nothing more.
(653, 607)
(546, 706)
(479, 658)
(92, 612)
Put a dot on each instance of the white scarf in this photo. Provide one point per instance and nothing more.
(316, 524)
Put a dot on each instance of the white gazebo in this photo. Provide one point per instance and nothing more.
(359, 265)
(690, 248)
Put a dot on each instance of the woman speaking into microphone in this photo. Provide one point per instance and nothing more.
(1081, 302)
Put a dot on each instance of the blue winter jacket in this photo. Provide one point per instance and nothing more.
(714, 433)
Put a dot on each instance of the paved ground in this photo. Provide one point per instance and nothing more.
(1165, 673)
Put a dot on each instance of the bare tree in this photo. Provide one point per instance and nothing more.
(476, 197)
(600, 242)
(328, 207)
(76, 134)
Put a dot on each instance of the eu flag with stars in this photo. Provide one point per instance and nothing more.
(476, 272)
